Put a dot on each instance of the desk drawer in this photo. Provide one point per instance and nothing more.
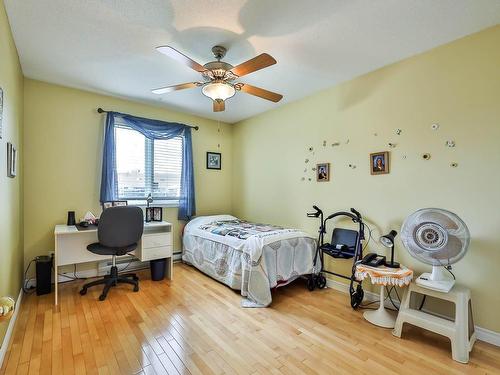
(156, 252)
(156, 240)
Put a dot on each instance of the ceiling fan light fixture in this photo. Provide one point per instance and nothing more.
(218, 90)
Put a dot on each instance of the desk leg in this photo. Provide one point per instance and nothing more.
(381, 317)
(170, 268)
(56, 273)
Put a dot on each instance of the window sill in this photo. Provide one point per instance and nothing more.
(167, 204)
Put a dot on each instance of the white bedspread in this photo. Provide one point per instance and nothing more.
(255, 256)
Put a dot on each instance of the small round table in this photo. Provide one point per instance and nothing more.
(383, 276)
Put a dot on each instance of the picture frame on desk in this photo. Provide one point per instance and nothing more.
(154, 214)
(109, 204)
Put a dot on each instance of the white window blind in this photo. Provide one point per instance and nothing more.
(147, 166)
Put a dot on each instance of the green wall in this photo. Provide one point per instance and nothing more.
(457, 86)
(11, 230)
(63, 143)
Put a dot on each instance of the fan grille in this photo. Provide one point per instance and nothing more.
(435, 236)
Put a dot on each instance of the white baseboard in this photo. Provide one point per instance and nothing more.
(483, 334)
(6, 340)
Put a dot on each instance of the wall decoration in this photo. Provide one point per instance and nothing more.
(1, 111)
(323, 172)
(324, 143)
(306, 161)
(214, 160)
(454, 165)
(335, 144)
(379, 163)
(311, 149)
(391, 145)
(450, 143)
(11, 160)
(352, 166)
(435, 126)
(426, 156)
(398, 131)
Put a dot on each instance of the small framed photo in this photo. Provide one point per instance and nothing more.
(157, 214)
(120, 203)
(379, 163)
(11, 160)
(106, 205)
(323, 172)
(1, 111)
(214, 160)
(149, 214)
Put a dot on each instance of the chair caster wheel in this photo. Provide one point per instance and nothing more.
(136, 288)
(102, 297)
(321, 281)
(83, 292)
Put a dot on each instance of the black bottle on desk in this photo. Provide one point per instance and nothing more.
(71, 218)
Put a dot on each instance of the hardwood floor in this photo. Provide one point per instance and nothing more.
(194, 325)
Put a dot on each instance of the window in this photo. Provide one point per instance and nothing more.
(145, 166)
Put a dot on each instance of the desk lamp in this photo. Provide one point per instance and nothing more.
(388, 241)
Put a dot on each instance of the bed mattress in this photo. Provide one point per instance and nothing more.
(249, 257)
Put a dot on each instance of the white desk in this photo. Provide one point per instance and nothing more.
(71, 246)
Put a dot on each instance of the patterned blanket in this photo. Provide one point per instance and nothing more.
(205, 239)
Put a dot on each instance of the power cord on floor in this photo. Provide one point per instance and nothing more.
(26, 281)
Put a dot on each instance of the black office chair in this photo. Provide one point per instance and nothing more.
(119, 230)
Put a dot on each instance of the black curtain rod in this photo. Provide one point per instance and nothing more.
(100, 110)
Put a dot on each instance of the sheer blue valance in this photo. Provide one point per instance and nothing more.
(152, 129)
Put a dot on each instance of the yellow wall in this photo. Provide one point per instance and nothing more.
(456, 85)
(11, 246)
(63, 143)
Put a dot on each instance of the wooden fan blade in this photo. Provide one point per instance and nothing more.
(179, 56)
(182, 86)
(219, 105)
(260, 62)
(257, 91)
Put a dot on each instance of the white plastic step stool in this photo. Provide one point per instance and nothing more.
(460, 332)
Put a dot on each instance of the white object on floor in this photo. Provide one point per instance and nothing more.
(381, 317)
(460, 332)
(437, 280)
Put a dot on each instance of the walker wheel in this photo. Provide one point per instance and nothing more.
(102, 297)
(321, 281)
(357, 297)
(136, 288)
(311, 283)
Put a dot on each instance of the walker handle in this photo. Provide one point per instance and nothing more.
(356, 213)
(315, 214)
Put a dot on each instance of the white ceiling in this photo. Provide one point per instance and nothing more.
(108, 46)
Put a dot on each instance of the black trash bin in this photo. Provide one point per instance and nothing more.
(158, 267)
(43, 274)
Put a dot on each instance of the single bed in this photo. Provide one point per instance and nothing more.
(249, 257)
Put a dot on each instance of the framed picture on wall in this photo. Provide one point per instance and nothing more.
(379, 163)
(214, 160)
(1, 111)
(323, 172)
(11, 160)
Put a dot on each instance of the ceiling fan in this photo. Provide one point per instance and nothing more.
(218, 76)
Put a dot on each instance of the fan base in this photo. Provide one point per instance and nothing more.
(425, 280)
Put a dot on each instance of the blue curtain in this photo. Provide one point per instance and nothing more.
(152, 129)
